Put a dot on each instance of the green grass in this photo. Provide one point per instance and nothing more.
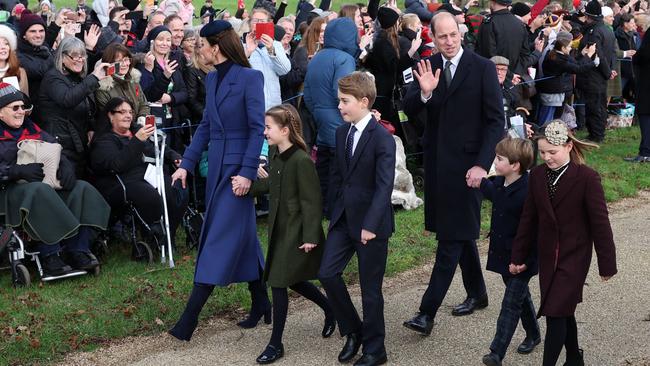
(40, 323)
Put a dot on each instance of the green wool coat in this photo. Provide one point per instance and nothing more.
(295, 217)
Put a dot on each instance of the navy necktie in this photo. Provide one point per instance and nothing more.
(349, 144)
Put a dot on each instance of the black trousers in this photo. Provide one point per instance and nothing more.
(644, 124)
(595, 113)
(338, 251)
(449, 254)
(324, 161)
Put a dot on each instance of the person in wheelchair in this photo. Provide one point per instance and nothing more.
(61, 220)
(125, 152)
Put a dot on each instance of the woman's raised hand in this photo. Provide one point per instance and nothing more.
(170, 67)
(144, 132)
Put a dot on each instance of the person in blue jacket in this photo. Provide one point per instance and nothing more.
(336, 60)
(233, 125)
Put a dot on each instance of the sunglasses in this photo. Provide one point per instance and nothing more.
(16, 108)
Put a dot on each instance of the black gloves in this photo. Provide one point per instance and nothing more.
(66, 174)
(32, 172)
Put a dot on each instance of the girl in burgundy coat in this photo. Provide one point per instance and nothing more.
(565, 210)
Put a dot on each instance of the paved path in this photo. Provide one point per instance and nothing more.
(613, 322)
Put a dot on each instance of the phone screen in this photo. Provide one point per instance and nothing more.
(150, 120)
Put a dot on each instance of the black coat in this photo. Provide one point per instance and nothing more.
(36, 61)
(641, 62)
(507, 205)
(503, 34)
(603, 37)
(113, 154)
(67, 109)
(291, 83)
(562, 67)
(625, 43)
(155, 84)
(464, 124)
(195, 82)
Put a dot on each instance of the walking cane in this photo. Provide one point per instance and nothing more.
(160, 179)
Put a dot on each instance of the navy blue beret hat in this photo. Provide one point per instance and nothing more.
(153, 34)
(215, 27)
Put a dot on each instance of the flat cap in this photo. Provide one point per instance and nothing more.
(500, 60)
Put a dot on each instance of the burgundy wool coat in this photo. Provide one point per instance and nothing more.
(567, 228)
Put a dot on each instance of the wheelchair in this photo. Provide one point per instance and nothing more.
(15, 247)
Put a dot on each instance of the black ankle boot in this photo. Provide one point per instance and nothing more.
(261, 306)
(190, 318)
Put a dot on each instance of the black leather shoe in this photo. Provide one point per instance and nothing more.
(329, 327)
(270, 354)
(528, 345)
(371, 360)
(421, 323)
(638, 159)
(469, 305)
(492, 359)
(350, 348)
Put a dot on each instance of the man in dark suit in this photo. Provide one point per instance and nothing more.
(465, 121)
(361, 219)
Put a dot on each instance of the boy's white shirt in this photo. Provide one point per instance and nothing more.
(360, 126)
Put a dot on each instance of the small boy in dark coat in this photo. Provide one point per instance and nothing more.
(508, 191)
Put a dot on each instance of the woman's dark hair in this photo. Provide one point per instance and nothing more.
(113, 50)
(109, 108)
(230, 46)
(626, 17)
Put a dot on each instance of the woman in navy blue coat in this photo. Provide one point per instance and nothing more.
(232, 131)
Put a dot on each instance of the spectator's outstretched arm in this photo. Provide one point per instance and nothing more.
(280, 12)
(324, 5)
(373, 9)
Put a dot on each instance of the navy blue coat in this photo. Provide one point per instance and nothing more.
(233, 125)
(507, 205)
(464, 124)
(362, 190)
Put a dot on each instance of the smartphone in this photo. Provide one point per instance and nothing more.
(150, 120)
(366, 26)
(110, 70)
(76, 28)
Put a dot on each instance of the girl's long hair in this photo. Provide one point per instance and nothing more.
(286, 115)
(310, 38)
(577, 153)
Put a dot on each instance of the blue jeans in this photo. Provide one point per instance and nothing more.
(517, 304)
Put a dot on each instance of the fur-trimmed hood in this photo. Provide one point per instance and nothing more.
(109, 83)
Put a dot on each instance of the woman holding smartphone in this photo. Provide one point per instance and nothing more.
(233, 125)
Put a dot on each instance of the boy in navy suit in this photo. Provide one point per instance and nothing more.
(508, 193)
(361, 219)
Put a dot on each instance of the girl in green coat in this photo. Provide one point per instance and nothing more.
(295, 224)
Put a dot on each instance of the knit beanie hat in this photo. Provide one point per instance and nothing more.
(8, 34)
(27, 21)
(19, 8)
(593, 9)
(387, 17)
(9, 94)
(520, 9)
(130, 4)
(606, 11)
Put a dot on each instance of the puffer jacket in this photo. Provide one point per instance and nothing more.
(67, 110)
(418, 8)
(334, 61)
(130, 89)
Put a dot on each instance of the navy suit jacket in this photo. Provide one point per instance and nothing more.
(362, 189)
